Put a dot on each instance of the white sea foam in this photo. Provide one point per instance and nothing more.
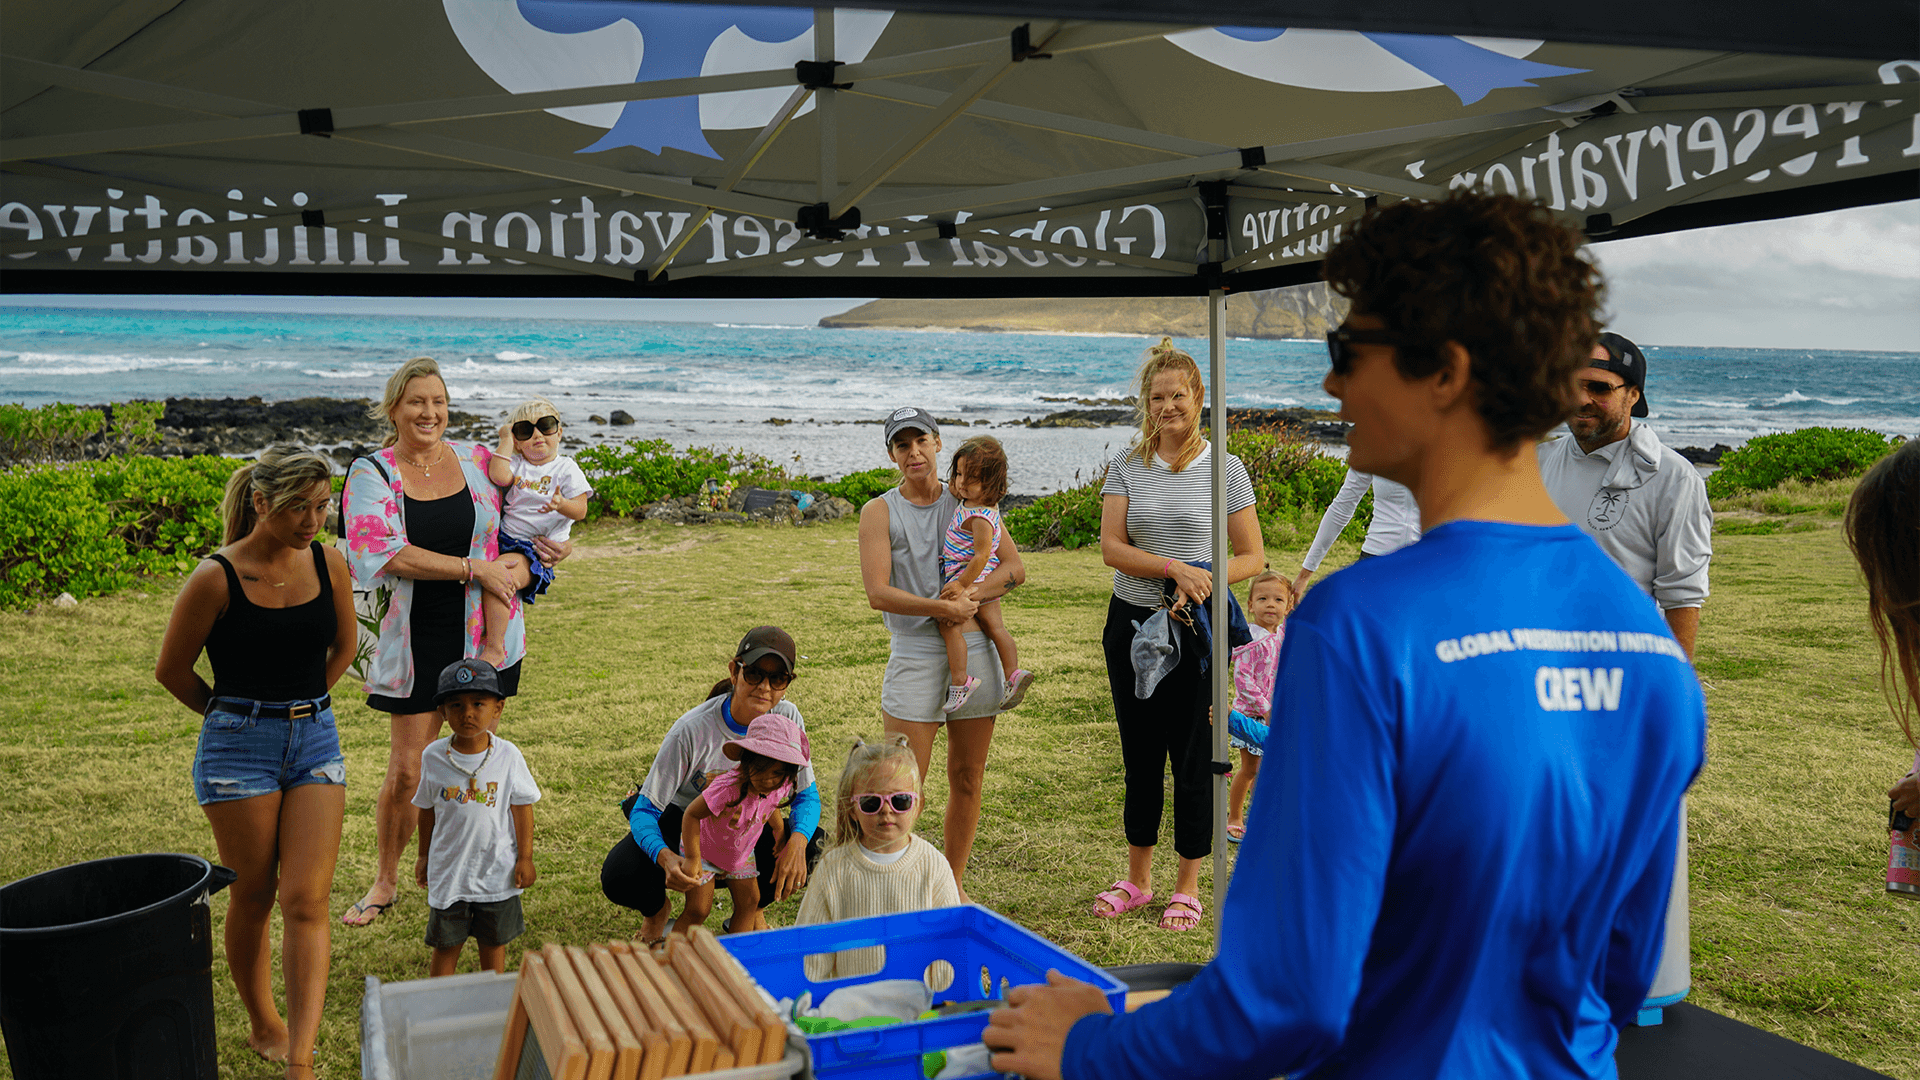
(509, 354)
(561, 380)
(346, 373)
(40, 363)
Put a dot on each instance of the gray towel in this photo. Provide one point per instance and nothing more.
(1156, 651)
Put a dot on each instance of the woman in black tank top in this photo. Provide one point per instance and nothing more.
(274, 612)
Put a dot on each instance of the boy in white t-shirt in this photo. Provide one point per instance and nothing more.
(476, 823)
(545, 494)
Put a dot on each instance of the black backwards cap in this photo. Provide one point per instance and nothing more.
(1625, 359)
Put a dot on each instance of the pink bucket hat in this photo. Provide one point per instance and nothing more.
(774, 736)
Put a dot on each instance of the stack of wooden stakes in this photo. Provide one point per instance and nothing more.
(620, 1012)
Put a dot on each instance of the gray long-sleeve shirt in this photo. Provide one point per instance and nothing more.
(1644, 504)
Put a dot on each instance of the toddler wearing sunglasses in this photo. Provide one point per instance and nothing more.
(546, 493)
(876, 865)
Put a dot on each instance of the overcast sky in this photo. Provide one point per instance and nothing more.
(1845, 280)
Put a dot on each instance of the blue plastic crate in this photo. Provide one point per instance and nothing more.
(989, 954)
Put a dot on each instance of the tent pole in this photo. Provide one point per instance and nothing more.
(826, 106)
(1222, 595)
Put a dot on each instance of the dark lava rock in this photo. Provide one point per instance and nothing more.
(597, 419)
(1084, 418)
(1703, 457)
(244, 426)
(622, 417)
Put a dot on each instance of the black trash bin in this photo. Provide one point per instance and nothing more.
(106, 969)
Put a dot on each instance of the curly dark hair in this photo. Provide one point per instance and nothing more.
(1495, 273)
(1883, 528)
(986, 463)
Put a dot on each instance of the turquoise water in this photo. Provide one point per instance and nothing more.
(719, 384)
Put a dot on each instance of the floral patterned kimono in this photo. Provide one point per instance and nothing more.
(377, 530)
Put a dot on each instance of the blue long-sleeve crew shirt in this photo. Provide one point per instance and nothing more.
(1458, 857)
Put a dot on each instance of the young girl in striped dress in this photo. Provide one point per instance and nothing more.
(978, 478)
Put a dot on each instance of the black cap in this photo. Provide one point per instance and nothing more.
(910, 417)
(468, 676)
(1625, 359)
(766, 641)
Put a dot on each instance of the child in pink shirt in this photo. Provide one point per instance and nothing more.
(721, 827)
(1269, 598)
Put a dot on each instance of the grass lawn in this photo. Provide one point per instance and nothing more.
(1792, 930)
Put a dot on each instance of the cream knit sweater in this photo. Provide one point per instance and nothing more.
(848, 885)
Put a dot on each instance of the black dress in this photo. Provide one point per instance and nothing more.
(438, 619)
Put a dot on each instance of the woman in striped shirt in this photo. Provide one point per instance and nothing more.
(1156, 520)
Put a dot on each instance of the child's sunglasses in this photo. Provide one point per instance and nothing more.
(901, 801)
(1341, 355)
(547, 425)
(776, 679)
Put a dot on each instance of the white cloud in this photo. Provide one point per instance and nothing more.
(1849, 279)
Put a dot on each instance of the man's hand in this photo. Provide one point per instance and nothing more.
(790, 867)
(1029, 1037)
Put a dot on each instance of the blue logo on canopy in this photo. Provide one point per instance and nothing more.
(1468, 70)
(677, 39)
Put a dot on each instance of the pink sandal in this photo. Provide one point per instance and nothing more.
(1175, 918)
(1123, 897)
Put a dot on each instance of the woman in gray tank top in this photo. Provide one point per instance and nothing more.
(900, 538)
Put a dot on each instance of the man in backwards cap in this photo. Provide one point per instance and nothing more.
(1643, 503)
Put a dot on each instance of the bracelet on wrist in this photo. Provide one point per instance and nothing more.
(469, 565)
(1166, 569)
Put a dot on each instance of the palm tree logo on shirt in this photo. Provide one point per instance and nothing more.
(1607, 508)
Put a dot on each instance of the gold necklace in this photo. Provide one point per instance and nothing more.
(427, 469)
(473, 778)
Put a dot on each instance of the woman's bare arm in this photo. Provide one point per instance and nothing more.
(201, 601)
(346, 628)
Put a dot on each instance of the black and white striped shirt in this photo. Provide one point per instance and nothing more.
(1170, 514)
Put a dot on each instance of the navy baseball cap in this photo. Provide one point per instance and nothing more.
(467, 676)
(1625, 359)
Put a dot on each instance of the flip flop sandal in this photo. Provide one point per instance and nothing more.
(1236, 833)
(1173, 918)
(1123, 897)
(362, 908)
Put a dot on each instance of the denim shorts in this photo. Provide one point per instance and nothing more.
(490, 923)
(243, 754)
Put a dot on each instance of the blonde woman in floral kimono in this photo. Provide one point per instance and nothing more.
(423, 533)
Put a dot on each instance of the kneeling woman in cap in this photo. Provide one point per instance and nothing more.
(647, 861)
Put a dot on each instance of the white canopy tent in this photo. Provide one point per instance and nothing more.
(1071, 147)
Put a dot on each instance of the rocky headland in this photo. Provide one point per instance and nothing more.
(1299, 311)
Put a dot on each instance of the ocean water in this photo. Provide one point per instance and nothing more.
(719, 385)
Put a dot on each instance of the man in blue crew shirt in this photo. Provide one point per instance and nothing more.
(1458, 856)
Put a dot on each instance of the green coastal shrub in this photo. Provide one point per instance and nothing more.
(62, 432)
(1806, 454)
(1067, 519)
(91, 527)
(1292, 480)
(858, 487)
(627, 476)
